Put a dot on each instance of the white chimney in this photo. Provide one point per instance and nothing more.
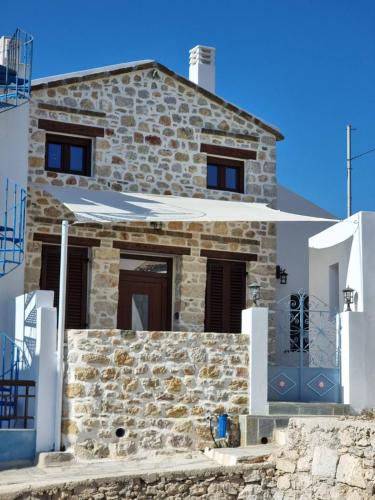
(202, 67)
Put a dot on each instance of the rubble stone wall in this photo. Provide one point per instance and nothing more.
(327, 458)
(207, 484)
(158, 387)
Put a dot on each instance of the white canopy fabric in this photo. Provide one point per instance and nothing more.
(111, 206)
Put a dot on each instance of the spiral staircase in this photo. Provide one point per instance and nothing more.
(15, 87)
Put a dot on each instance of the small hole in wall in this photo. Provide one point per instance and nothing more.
(120, 432)
(264, 440)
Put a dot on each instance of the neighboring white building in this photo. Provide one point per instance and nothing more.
(292, 240)
(343, 256)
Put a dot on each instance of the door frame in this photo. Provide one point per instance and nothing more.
(169, 277)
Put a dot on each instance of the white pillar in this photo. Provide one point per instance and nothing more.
(45, 353)
(255, 324)
(61, 331)
(354, 360)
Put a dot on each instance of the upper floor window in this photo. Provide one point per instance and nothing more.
(71, 155)
(225, 174)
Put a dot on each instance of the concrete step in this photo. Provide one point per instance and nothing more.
(242, 455)
(259, 429)
(281, 408)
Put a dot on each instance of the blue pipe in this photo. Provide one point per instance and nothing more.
(222, 424)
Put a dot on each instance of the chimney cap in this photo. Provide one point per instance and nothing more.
(202, 54)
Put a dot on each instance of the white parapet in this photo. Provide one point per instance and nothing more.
(46, 381)
(255, 324)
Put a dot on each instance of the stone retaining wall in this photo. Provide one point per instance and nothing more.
(327, 458)
(214, 484)
(159, 387)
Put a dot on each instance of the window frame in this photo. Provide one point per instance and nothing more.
(222, 164)
(66, 141)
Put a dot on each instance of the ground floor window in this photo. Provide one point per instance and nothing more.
(76, 285)
(225, 295)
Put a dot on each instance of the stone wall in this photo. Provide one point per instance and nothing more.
(159, 387)
(327, 458)
(154, 126)
(205, 484)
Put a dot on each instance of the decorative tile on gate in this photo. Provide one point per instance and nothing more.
(283, 383)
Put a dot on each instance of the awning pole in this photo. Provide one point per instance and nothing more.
(60, 331)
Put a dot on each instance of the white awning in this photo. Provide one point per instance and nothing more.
(111, 206)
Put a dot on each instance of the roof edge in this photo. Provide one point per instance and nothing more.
(106, 71)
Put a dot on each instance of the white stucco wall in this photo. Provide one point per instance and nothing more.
(350, 244)
(292, 240)
(13, 164)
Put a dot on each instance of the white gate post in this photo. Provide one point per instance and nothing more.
(354, 357)
(255, 324)
(46, 378)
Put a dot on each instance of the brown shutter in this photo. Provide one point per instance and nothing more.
(225, 295)
(237, 295)
(214, 296)
(76, 296)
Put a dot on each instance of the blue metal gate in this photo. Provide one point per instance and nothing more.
(308, 352)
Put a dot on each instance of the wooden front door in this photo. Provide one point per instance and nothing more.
(225, 295)
(144, 293)
(76, 283)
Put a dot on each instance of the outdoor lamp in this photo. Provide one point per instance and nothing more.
(281, 275)
(255, 292)
(348, 297)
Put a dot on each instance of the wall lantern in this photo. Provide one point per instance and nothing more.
(348, 297)
(255, 292)
(281, 275)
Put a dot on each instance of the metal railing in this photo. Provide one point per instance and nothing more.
(12, 225)
(15, 79)
(13, 359)
(16, 410)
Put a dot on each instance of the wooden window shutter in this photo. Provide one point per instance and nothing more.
(76, 296)
(225, 296)
(237, 295)
(214, 296)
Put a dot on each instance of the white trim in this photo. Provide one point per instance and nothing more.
(86, 72)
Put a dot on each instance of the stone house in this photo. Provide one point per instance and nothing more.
(139, 127)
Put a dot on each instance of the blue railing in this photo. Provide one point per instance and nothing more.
(15, 70)
(12, 225)
(12, 362)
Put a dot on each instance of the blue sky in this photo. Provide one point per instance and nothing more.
(306, 66)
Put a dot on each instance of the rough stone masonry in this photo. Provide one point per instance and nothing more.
(327, 458)
(158, 388)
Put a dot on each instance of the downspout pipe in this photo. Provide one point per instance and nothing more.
(60, 332)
